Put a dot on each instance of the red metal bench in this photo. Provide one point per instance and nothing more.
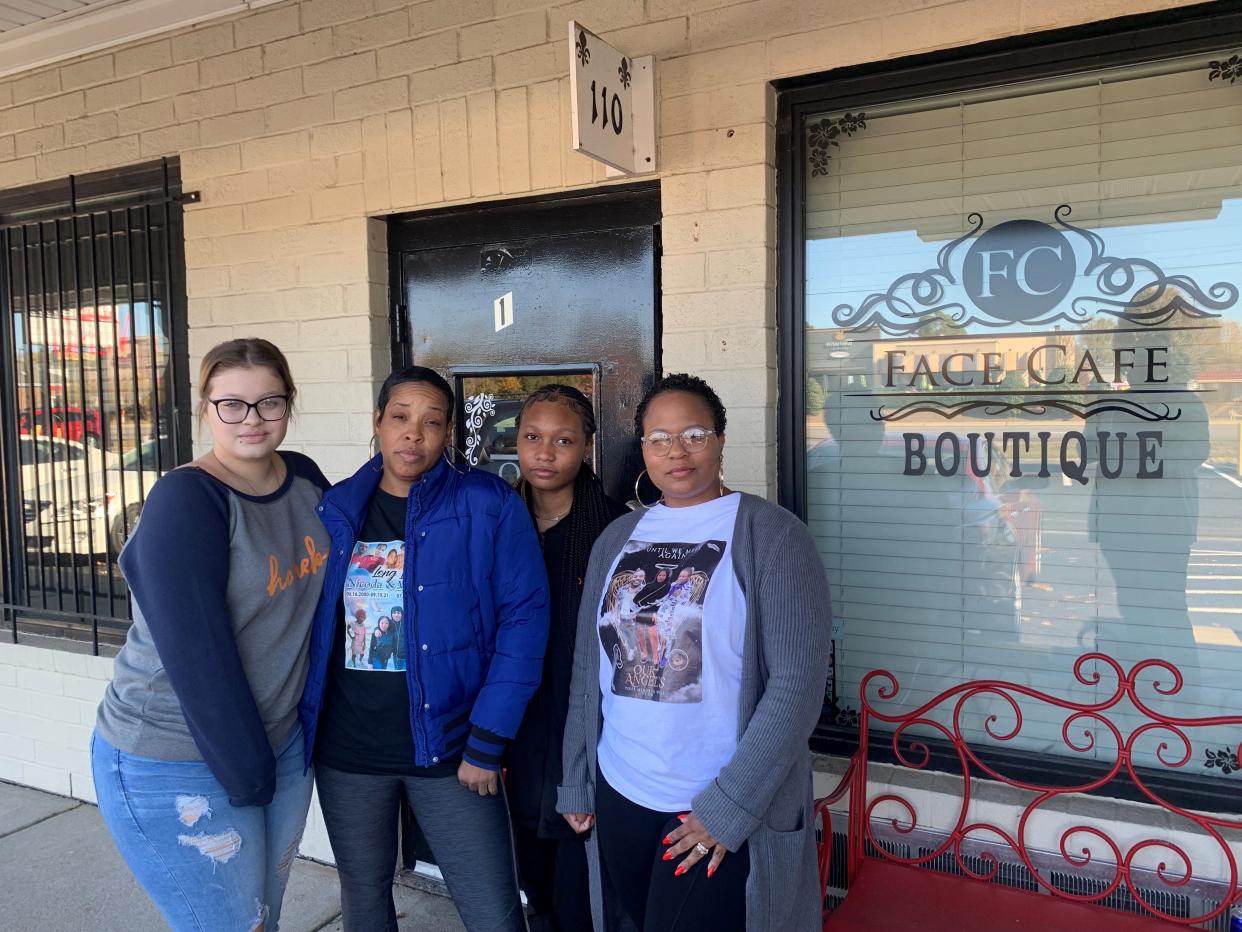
(970, 875)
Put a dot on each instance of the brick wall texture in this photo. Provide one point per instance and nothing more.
(303, 121)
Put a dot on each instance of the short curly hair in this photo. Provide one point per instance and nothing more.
(691, 385)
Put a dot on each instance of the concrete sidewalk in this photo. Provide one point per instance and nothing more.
(59, 872)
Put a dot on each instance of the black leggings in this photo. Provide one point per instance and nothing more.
(556, 881)
(645, 885)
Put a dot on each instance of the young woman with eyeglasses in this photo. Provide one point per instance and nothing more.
(685, 754)
(197, 752)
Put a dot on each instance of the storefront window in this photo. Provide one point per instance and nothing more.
(1023, 398)
(91, 306)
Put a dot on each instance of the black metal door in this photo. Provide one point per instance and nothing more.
(504, 298)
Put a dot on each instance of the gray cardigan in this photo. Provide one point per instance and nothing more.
(763, 795)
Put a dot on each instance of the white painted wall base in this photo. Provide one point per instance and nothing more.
(47, 710)
(48, 699)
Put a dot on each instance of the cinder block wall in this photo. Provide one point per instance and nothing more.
(300, 121)
(47, 710)
(48, 700)
(303, 122)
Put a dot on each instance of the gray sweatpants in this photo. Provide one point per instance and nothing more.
(468, 834)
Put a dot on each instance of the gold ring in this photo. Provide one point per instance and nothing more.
(702, 849)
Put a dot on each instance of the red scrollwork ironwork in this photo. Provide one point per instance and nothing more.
(1081, 729)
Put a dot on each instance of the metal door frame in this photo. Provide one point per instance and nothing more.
(609, 208)
(618, 208)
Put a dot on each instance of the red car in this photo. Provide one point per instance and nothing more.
(69, 423)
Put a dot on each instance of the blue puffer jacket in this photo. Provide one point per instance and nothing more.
(476, 599)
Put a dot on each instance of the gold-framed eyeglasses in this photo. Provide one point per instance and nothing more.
(692, 440)
(234, 410)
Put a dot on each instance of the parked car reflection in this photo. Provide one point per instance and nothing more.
(87, 506)
(498, 445)
(68, 422)
(42, 458)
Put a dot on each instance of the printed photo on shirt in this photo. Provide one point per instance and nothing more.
(374, 639)
(651, 620)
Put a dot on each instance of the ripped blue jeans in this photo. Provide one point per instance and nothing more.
(208, 866)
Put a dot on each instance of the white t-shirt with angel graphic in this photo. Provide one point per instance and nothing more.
(671, 625)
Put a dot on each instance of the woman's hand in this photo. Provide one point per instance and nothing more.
(478, 780)
(688, 837)
(580, 821)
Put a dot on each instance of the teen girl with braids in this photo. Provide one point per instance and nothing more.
(568, 505)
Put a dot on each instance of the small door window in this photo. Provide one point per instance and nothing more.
(488, 407)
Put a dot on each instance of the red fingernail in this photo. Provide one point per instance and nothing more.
(666, 840)
(681, 870)
(668, 855)
(682, 818)
(710, 870)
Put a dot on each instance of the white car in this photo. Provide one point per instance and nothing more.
(48, 469)
(43, 458)
(84, 503)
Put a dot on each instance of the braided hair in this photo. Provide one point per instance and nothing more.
(587, 517)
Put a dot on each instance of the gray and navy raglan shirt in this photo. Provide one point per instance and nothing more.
(224, 588)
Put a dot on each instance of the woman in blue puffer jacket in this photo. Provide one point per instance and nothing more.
(474, 610)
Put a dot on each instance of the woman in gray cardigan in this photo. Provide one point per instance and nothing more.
(685, 752)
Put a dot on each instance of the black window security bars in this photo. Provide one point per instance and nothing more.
(93, 387)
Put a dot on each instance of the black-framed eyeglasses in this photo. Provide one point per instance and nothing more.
(692, 440)
(234, 410)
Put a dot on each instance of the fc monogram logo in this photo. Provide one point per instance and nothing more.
(1024, 272)
(1019, 270)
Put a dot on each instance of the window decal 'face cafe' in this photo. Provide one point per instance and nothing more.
(1020, 273)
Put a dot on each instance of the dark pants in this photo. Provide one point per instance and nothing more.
(556, 881)
(468, 833)
(645, 885)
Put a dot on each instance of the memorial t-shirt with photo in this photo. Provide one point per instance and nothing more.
(671, 625)
(364, 726)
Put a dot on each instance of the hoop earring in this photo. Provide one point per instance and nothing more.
(720, 477)
(638, 497)
(458, 459)
(371, 450)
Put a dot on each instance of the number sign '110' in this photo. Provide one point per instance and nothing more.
(608, 113)
(612, 101)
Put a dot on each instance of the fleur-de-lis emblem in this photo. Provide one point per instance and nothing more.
(1229, 69)
(584, 53)
(624, 73)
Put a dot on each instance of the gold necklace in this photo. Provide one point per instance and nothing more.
(552, 519)
(253, 490)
